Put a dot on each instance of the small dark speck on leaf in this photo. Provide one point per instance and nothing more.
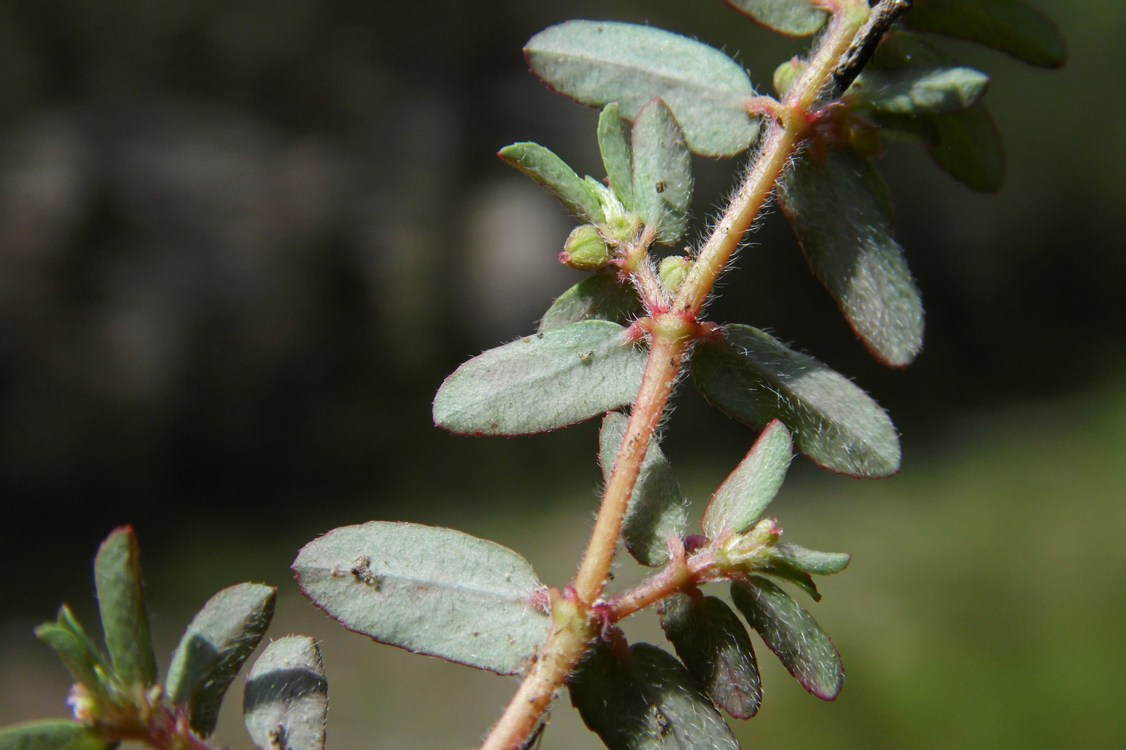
(661, 186)
(361, 569)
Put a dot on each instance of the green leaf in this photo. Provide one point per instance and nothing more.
(599, 297)
(809, 560)
(75, 648)
(553, 173)
(601, 62)
(52, 734)
(754, 378)
(613, 143)
(121, 602)
(790, 17)
(747, 492)
(838, 207)
(662, 172)
(213, 648)
(714, 646)
(429, 590)
(1014, 27)
(969, 147)
(911, 91)
(645, 699)
(792, 634)
(285, 704)
(542, 382)
(657, 511)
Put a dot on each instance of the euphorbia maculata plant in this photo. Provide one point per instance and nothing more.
(614, 347)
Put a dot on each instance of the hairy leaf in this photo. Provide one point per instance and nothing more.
(121, 603)
(838, 208)
(1015, 27)
(754, 378)
(285, 704)
(52, 734)
(809, 560)
(75, 648)
(792, 634)
(662, 172)
(601, 62)
(613, 143)
(213, 648)
(542, 382)
(789, 17)
(969, 147)
(911, 91)
(429, 590)
(599, 297)
(714, 646)
(646, 700)
(553, 173)
(657, 511)
(747, 492)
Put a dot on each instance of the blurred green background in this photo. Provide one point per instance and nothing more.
(242, 242)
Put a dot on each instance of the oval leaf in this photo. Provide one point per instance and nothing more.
(792, 634)
(1014, 27)
(553, 173)
(809, 560)
(837, 205)
(542, 382)
(714, 646)
(52, 734)
(662, 172)
(213, 648)
(429, 590)
(598, 297)
(754, 378)
(969, 147)
(657, 511)
(286, 700)
(747, 492)
(613, 143)
(789, 17)
(121, 603)
(601, 62)
(912, 91)
(644, 699)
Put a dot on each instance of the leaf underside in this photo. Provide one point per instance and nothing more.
(614, 146)
(646, 700)
(837, 205)
(747, 492)
(429, 590)
(657, 511)
(662, 172)
(542, 382)
(601, 296)
(795, 18)
(285, 704)
(597, 63)
(754, 378)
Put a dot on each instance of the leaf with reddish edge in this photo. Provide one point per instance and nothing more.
(657, 511)
(121, 603)
(429, 590)
(754, 378)
(792, 634)
(747, 492)
(642, 698)
(597, 62)
(539, 383)
(713, 644)
(1014, 27)
(838, 206)
(214, 647)
(285, 704)
(602, 296)
(52, 734)
(794, 18)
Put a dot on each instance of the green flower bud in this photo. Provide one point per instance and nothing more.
(672, 271)
(585, 249)
(786, 74)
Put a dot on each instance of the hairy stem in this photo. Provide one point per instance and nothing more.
(671, 337)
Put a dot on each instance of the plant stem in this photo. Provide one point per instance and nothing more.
(672, 335)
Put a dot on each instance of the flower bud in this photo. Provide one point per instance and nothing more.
(585, 249)
(672, 271)
(786, 74)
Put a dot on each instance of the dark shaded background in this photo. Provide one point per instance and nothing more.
(241, 244)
